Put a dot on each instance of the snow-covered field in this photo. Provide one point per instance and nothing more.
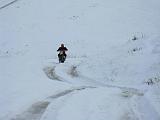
(112, 71)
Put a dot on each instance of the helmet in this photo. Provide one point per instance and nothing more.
(62, 45)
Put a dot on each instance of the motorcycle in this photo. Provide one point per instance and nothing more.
(61, 57)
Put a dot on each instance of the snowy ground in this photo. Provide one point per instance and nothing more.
(112, 67)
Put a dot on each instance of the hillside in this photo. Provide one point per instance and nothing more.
(112, 67)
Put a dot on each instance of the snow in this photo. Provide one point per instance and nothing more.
(112, 67)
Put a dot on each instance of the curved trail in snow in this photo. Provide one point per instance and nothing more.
(36, 110)
(71, 76)
(71, 103)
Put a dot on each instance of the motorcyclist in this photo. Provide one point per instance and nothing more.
(62, 49)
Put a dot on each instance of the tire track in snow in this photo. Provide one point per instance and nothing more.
(37, 109)
(68, 91)
(73, 71)
(126, 91)
(8, 4)
(34, 112)
(51, 74)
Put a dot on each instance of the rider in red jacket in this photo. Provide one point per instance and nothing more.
(62, 49)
